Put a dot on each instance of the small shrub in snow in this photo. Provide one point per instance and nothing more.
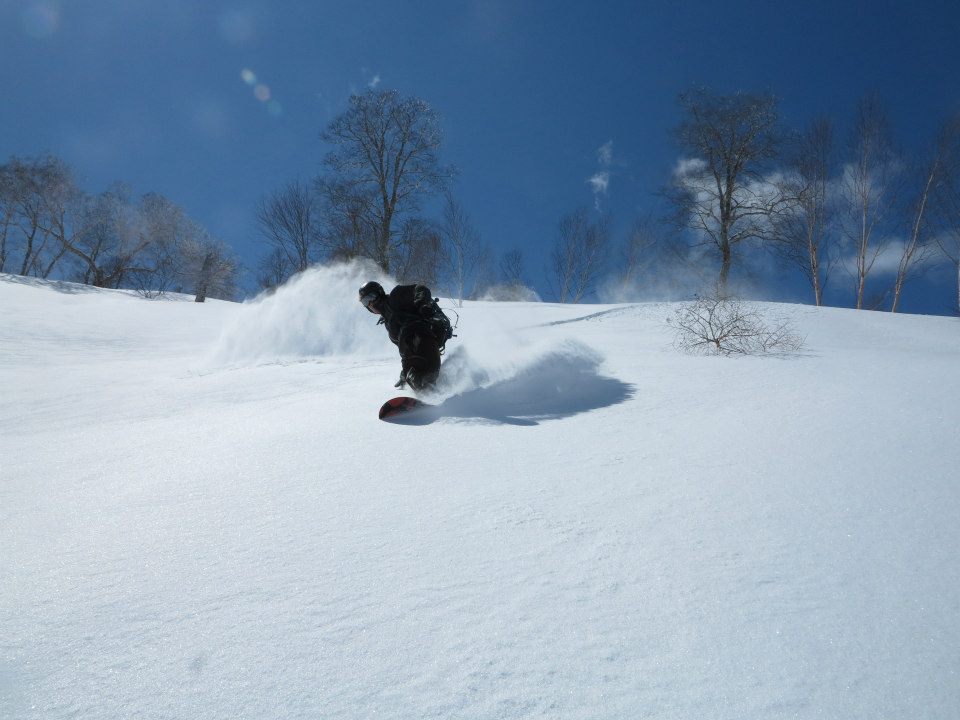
(725, 326)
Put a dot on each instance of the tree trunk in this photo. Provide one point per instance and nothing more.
(724, 269)
(28, 252)
(862, 258)
(203, 281)
(815, 276)
(3, 240)
(384, 244)
(910, 250)
(897, 287)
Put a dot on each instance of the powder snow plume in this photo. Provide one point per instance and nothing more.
(316, 313)
(559, 370)
(492, 348)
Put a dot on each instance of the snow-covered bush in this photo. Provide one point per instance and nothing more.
(725, 326)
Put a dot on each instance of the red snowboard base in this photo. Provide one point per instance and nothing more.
(399, 406)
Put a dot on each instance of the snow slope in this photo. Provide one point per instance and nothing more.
(201, 516)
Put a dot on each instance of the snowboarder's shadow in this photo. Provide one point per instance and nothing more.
(557, 386)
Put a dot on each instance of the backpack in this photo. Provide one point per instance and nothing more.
(439, 323)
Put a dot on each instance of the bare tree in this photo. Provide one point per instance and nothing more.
(286, 219)
(634, 259)
(949, 244)
(511, 267)
(167, 232)
(210, 267)
(8, 211)
(869, 188)
(486, 273)
(96, 231)
(462, 248)
(349, 227)
(33, 181)
(274, 270)
(720, 192)
(106, 240)
(578, 254)
(636, 252)
(26, 185)
(418, 254)
(801, 227)
(103, 233)
(946, 199)
(386, 157)
(511, 286)
(940, 165)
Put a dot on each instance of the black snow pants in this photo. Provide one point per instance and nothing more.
(419, 355)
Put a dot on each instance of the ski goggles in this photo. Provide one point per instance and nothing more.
(368, 300)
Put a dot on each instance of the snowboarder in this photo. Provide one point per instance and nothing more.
(416, 325)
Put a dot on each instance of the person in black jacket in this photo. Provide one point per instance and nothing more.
(411, 318)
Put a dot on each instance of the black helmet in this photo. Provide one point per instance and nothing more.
(370, 293)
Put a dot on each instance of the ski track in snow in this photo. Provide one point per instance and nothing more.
(202, 517)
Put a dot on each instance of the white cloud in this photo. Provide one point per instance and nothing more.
(888, 257)
(374, 82)
(687, 167)
(883, 257)
(605, 153)
(600, 182)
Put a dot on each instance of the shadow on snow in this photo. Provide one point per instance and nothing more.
(555, 387)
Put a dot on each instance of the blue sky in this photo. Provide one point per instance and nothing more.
(152, 93)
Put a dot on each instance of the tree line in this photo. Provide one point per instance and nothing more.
(384, 163)
(381, 176)
(860, 204)
(51, 228)
(852, 211)
(746, 186)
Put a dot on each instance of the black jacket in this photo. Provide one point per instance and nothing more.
(404, 306)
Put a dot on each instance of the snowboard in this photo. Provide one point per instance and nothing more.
(400, 406)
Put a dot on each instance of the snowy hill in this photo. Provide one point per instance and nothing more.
(201, 516)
